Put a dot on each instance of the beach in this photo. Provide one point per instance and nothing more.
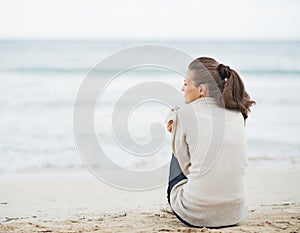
(44, 184)
(76, 201)
(86, 87)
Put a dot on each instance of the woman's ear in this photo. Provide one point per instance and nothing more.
(202, 89)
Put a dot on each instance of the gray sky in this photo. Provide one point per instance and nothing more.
(152, 19)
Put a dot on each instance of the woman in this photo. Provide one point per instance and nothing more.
(206, 183)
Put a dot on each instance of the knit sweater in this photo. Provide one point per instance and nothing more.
(210, 145)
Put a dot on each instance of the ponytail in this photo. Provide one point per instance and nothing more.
(234, 93)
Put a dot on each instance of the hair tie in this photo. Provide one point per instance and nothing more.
(224, 71)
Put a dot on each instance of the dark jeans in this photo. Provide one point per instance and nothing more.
(176, 175)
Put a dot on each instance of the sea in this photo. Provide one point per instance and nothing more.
(40, 80)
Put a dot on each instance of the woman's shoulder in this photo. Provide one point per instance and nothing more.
(179, 113)
(198, 106)
(202, 106)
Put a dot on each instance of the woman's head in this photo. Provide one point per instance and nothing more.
(213, 79)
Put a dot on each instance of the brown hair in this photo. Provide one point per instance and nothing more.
(226, 87)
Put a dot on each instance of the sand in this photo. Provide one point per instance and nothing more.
(76, 201)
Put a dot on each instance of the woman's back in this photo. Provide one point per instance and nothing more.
(214, 166)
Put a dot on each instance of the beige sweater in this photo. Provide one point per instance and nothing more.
(210, 145)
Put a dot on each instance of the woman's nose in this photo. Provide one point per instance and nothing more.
(182, 88)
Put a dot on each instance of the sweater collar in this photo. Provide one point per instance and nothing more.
(204, 100)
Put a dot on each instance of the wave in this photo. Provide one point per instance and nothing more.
(270, 72)
(44, 70)
(75, 70)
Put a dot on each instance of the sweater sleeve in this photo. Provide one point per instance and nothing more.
(179, 144)
(172, 116)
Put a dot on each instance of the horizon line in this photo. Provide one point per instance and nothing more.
(152, 39)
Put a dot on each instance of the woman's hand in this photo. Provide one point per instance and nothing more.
(169, 126)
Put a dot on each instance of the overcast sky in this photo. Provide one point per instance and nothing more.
(152, 19)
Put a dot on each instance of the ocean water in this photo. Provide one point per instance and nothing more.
(40, 80)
